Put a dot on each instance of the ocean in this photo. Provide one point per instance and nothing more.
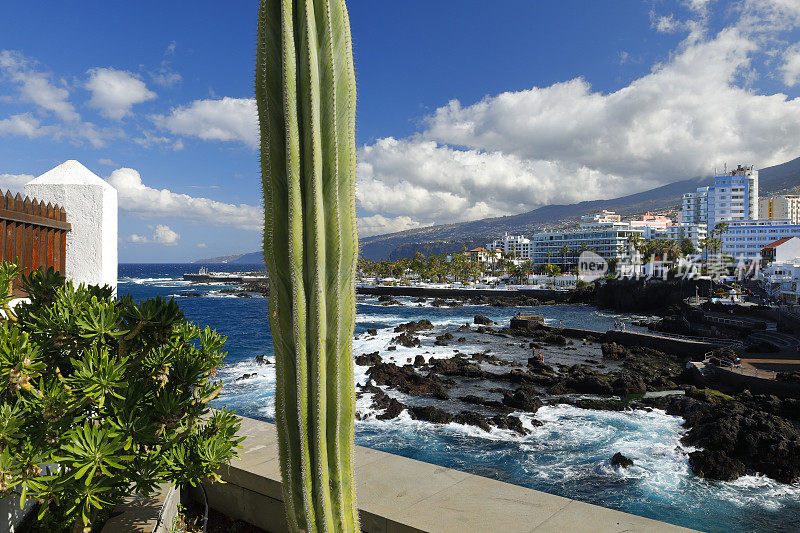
(568, 455)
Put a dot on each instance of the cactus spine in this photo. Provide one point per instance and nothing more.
(306, 98)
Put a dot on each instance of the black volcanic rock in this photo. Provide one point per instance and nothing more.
(483, 321)
(621, 461)
(473, 419)
(734, 435)
(414, 326)
(512, 423)
(432, 414)
(523, 400)
(368, 359)
(406, 339)
(407, 380)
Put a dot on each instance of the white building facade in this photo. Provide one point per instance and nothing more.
(733, 197)
(678, 232)
(608, 240)
(780, 208)
(694, 209)
(514, 246)
(746, 238)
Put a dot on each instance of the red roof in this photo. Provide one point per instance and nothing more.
(478, 250)
(777, 243)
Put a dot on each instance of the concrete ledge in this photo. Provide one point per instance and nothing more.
(400, 495)
(139, 514)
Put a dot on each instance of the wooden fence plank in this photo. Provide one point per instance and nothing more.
(32, 234)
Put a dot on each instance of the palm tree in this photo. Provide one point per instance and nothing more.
(564, 252)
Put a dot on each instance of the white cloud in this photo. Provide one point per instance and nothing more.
(22, 125)
(161, 235)
(166, 77)
(37, 87)
(379, 224)
(164, 235)
(665, 24)
(148, 140)
(567, 142)
(201, 245)
(115, 92)
(226, 119)
(51, 98)
(107, 162)
(138, 198)
(14, 182)
(437, 184)
(791, 65)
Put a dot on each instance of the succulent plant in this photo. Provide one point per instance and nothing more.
(306, 98)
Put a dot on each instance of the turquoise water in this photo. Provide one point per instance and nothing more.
(569, 455)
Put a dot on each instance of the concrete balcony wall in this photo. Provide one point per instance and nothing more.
(400, 495)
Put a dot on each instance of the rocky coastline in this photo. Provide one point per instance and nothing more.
(733, 434)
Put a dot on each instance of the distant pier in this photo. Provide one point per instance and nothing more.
(204, 276)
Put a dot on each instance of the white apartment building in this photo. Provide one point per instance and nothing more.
(734, 196)
(608, 240)
(694, 209)
(780, 208)
(782, 280)
(603, 217)
(515, 246)
(744, 239)
(680, 231)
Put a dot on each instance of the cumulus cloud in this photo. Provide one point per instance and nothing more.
(14, 182)
(22, 125)
(226, 119)
(434, 183)
(379, 224)
(51, 97)
(115, 92)
(164, 235)
(567, 142)
(138, 198)
(791, 65)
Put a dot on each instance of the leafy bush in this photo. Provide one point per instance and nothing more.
(102, 396)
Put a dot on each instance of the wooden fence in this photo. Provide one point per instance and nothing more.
(32, 234)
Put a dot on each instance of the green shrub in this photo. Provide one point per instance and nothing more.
(103, 396)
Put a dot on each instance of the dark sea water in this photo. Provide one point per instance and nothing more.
(569, 455)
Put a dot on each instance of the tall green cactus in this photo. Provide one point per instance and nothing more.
(306, 97)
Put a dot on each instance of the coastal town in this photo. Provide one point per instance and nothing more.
(348, 266)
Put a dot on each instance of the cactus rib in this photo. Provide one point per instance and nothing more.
(305, 94)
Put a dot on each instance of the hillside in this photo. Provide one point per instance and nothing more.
(452, 237)
(252, 258)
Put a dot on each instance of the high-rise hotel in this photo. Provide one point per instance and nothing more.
(732, 197)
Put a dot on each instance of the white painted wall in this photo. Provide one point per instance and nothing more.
(91, 206)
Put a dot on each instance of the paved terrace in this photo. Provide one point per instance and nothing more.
(400, 495)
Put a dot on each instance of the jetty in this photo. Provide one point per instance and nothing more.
(204, 276)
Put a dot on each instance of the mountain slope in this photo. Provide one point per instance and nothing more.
(452, 237)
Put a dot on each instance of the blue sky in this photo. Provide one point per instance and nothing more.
(467, 109)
